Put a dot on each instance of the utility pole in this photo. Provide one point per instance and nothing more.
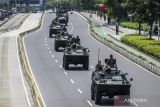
(15, 2)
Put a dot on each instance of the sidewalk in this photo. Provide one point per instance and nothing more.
(12, 92)
(112, 28)
(109, 34)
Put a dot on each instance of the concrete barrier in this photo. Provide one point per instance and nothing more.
(25, 66)
(15, 27)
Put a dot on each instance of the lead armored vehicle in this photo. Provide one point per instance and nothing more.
(75, 55)
(109, 83)
(61, 40)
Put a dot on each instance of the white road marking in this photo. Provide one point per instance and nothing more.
(46, 44)
(72, 27)
(91, 66)
(79, 90)
(53, 56)
(66, 73)
(56, 60)
(72, 81)
(60, 66)
(89, 103)
(24, 86)
(40, 94)
(50, 52)
(48, 48)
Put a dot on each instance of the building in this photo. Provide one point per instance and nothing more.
(4, 1)
(31, 4)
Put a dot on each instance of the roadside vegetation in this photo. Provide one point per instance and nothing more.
(133, 25)
(143, 43)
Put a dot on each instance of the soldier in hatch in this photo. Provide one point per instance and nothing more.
(99, 66)
(77, 40)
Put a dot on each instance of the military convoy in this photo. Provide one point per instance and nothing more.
(109, 82)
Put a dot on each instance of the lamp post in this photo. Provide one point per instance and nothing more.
(15, 3)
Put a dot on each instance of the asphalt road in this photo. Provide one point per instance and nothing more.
(61, 88)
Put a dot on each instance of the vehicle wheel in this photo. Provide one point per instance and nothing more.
(63, 61)
(127, 96)
(50, 35)
(55, 46)
(85, 66)
(66, 66)
(98, 97)
(92, 92)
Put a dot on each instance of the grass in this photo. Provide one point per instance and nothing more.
(134, 25)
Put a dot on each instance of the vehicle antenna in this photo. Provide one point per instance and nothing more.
(98, 53)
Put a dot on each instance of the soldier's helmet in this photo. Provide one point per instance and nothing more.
(111, 56)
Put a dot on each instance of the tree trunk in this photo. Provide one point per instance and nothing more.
(139, 27)
(150, 34)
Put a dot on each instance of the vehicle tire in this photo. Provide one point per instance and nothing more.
(92, 92)
(55, 46)
(98, 97)
(66, 65)
(50, 34)
(86, 65)
(63, 61)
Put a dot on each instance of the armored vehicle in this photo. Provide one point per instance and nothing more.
(56, 29)
(61, 40)
(62, 20)
(109, 83)
(76, 54)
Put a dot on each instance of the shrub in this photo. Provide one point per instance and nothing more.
(143, 43)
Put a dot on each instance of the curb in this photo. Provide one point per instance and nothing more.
(14, 27)
(25, 66)
(129, 55)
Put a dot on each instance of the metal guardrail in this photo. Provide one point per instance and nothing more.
(26, 69)
(129, 55)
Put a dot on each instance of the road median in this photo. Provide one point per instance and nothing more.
(7, 29)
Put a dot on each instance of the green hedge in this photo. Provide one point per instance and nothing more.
(143, 43)
(134, 25)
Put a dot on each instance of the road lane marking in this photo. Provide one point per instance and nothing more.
(50, 52)
(48, 48)
(72, 81)
(79, 90)
(40, 94)
(46, 44)
(22, 77)
(56, 60)
(91, 66)
(89, 103)
(53, 56)
(60, 66)
(72, 27)
(65, 73)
